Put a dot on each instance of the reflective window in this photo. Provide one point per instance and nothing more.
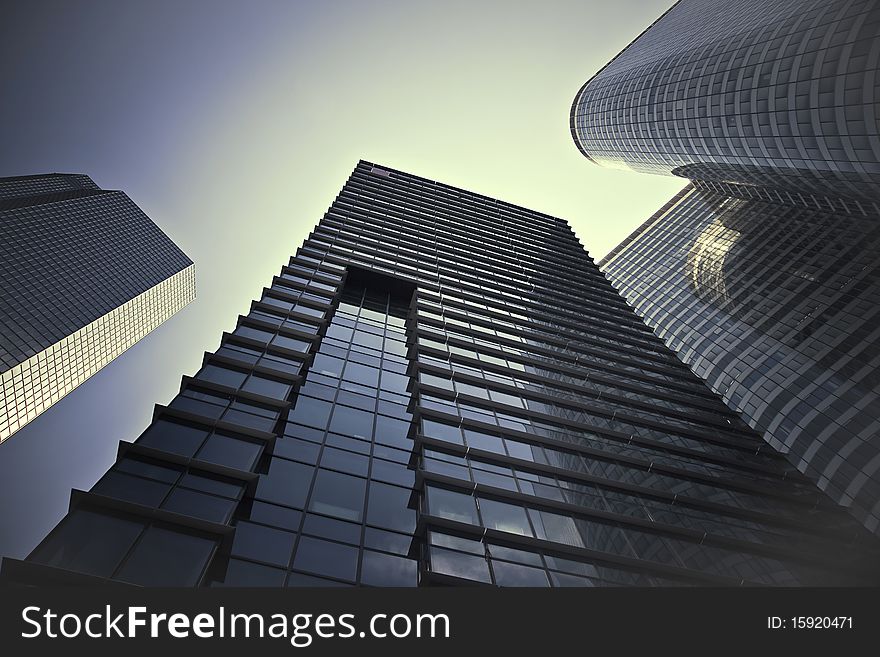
(164, 557)
(452, 505)
(513, 574)
(88, 542)
(286, 483)
(246, 573)
(458, 564)
(133, 489)
(352, 422)
(504, 517)
(263, 543)
(325, 558)
(338, 495)
(173, 437)
(232, 452)
(442, 431)
(222, 375)
(311, 412)
(260, 385)
(388, 507)
(379, 569)
(199, 505)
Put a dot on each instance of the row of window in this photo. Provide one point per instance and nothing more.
(724, 490)
(609, 538)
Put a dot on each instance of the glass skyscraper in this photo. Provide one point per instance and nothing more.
(84, 274)
(441, 388)
(776, 99)
(763, 273)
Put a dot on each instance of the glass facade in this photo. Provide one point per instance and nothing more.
(85, 274)
(777, 98)
(777, 308)
(440, 388)
(762, 273)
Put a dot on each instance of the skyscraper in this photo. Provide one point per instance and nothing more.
(84, 274)
(774, 99)
(762, 274)
(441, 388)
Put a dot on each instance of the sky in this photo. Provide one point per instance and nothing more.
(233, 125)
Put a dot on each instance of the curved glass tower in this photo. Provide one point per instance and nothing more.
(776, 98)
(762, 274)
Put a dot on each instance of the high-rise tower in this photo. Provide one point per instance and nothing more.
(763, 273)
(441, 388)
(770, 98)
(84, 274)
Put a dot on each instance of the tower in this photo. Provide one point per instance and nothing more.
(442, 388)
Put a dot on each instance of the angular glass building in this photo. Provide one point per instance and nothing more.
(440, 388)
(84, 274)
(762, 274)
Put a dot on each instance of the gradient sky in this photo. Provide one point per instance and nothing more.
(233, 125)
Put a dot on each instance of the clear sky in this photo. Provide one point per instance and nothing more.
(233, 125)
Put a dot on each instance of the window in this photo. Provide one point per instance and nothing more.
(172, 437)
(455, 506)
(458, 564)
(221, 375)
(393, 473)
(231, 452)
(441, 431)
(245, 573)
(555, 527)
(325, 558)
(394, 382)
(248, 415)
(339, 332)
(338, 495)
(267, 387)
(484, 441)
(387, 541)
(263, 543)
(363, 374)
(336, 530)
(253, 334)
(88, 542)
(393, 432)
(286, 483)
(364, 339)
(388, 507)
(272, 514)
(291, 343)
(385, 570)
(337, 459)
(297, 450)
(199, 505)
(328, 365)
(213, 485)
(133, 489)
(311, 412)
(352, 422)
(148, 469)
(504, 517)
(164, 557)
(512, 574)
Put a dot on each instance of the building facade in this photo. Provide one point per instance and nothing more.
(441, 388)
(84, 274)
(777, 308)
(762, 273)
(777, 98)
